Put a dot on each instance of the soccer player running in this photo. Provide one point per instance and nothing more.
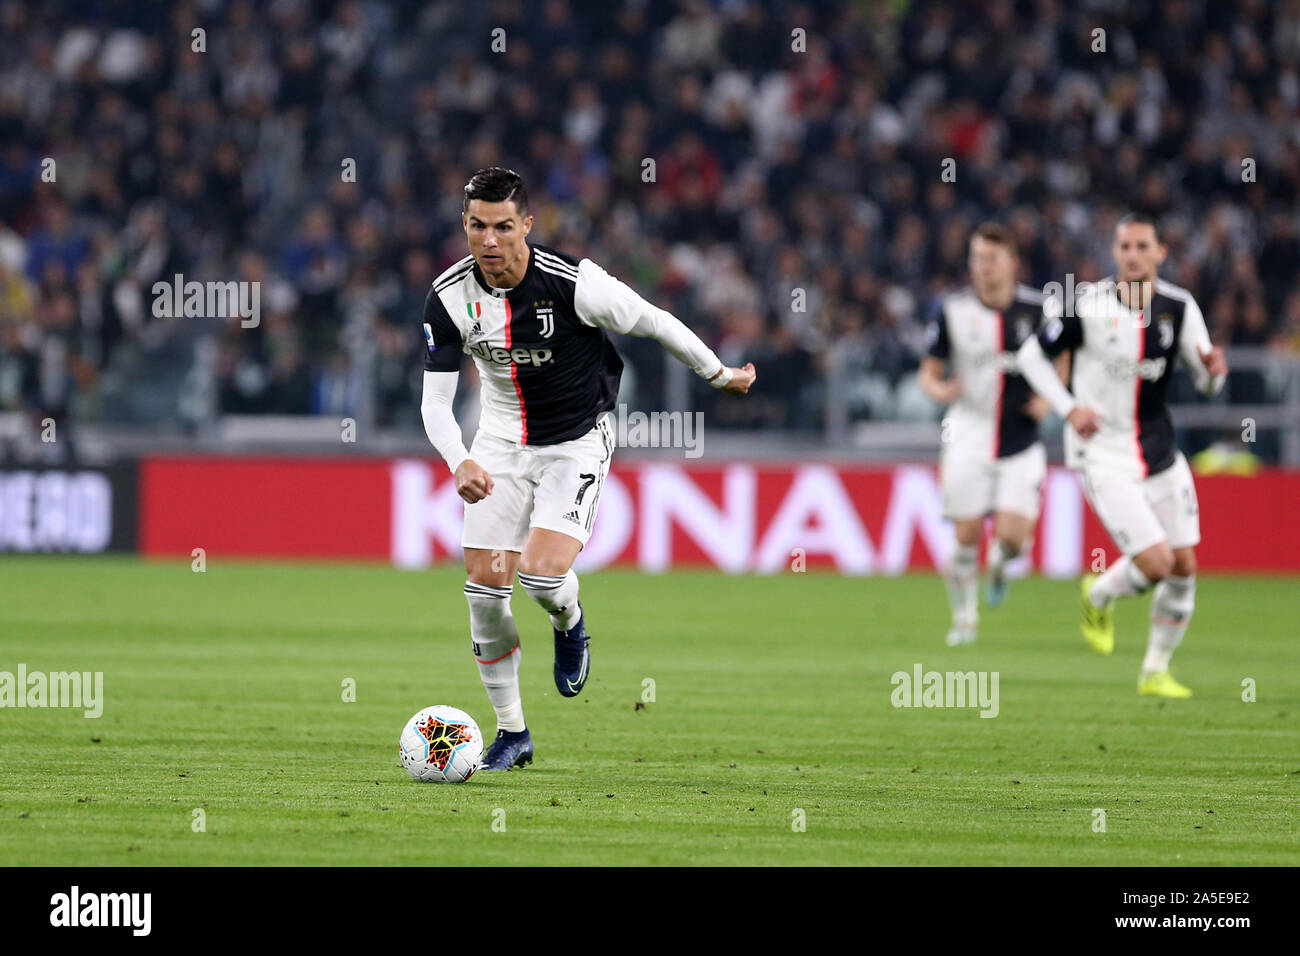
(990, 460)
(1125, 336)
(534, 319)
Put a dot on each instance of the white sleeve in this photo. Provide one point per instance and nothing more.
(1194, 340)
(601, 300)
(439, 422)
(1039, 371)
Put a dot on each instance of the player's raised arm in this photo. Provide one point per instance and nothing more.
(1206, 362)
(442, 351)
(1056, 335)
(601, 300)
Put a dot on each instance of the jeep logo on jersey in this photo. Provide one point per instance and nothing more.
(1123, 369)
(546, 315)
(1001, 361)
(503, 356)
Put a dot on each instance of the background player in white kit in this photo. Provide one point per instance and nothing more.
(533, 318)
(1126, 334)
(990, 460)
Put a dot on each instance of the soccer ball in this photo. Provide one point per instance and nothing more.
(441, 745)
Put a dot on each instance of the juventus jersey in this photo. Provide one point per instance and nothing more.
(980, 344)
(1123, 360)
(547, 368)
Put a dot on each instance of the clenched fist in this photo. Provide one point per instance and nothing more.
(1085, 421)
(741, 380)
(472, 482)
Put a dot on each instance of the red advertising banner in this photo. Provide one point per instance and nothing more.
(740, 517)
(281, 507)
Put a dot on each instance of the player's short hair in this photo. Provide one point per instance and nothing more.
(1138, 219)
(997, 233)
(495, 184)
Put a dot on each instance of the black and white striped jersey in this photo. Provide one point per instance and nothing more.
(1123, 360)
(547, 367)
(988, 419)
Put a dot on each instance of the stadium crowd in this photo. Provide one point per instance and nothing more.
(796, 212)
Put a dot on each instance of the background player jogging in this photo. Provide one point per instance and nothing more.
(1126, 332)
(534, 320)
(990, 460)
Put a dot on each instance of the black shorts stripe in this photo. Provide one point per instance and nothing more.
(604, 468)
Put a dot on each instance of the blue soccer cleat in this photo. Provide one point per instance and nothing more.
(995, 583)
(511, 749)
(995, 589)
(572, 657)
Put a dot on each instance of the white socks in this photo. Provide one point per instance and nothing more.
(496, 650)
(961, 576)
(1122, 579)
(558, 596)
(1171, 609)
(496, 639)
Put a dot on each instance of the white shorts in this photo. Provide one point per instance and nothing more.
(975, 485)
(1141, 512)
(556, 487)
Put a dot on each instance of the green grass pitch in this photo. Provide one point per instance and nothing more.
(224, 692)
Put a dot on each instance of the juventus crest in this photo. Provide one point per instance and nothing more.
(546, 315)
(1166, 327)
